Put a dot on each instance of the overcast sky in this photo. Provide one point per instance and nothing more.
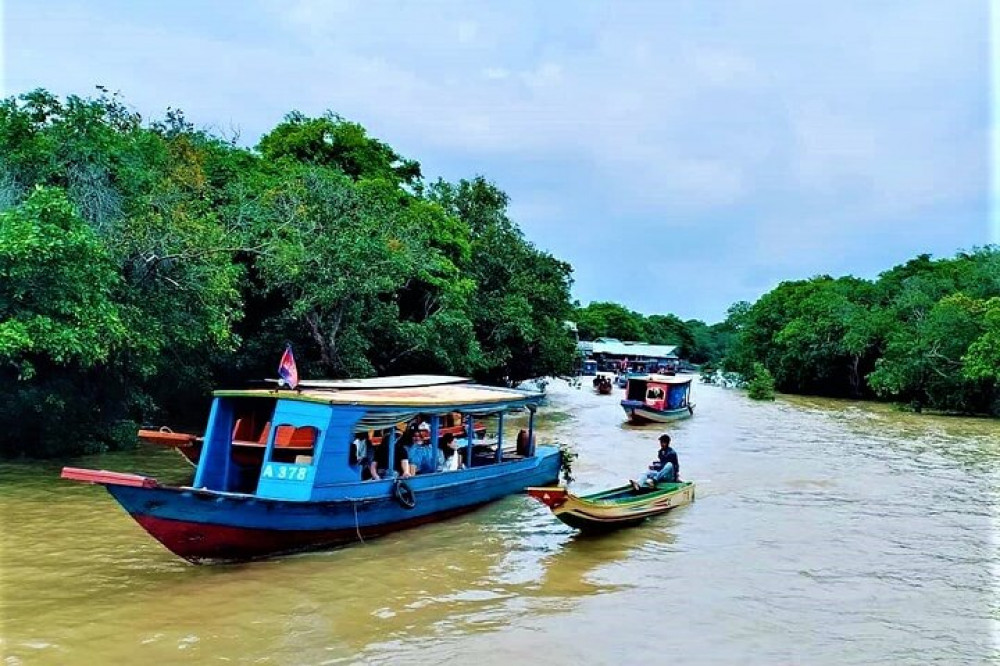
(681, 155)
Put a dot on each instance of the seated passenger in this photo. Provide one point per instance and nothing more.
(422, 458)
(523, 447)
(449, 453)
(379, 458)
(380, 467)
(405, 449)
(665, 469)
(363, 454)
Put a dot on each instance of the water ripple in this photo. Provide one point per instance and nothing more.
(824, 532)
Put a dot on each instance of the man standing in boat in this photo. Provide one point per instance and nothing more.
(665, 469)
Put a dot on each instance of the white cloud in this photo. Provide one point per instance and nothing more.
(496, 73)
(546, 74)
(467, 32)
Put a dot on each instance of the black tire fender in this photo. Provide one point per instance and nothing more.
(403, 494)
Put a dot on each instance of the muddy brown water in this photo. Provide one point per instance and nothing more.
(824, 532)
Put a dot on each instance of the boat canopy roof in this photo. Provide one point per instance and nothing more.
(665, 379)
(398, 381)
(425, 393)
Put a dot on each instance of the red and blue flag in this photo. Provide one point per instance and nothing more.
(286, 369)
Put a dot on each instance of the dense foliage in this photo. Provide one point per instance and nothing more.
(142, 264)
(926, 333)
(696, 341)
(761, 384)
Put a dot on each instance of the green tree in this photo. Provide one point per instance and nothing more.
(521, 297)
(56, 287)
(761, 384)
(334, 142)
(59, 323)
(982, 360)
(611, 320)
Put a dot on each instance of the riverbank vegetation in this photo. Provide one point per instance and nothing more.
(925, 333)
(143, 263)
(761, 384)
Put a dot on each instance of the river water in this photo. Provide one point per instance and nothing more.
(824, 532)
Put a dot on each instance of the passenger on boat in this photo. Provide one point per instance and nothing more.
(449, 459)
(523, 444)
(419, 427)
(401, 463)
(460, 445)
(422, 458)
(665, 469)
(363, 454)
(405, 448)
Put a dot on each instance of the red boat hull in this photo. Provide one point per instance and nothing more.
(196, 542)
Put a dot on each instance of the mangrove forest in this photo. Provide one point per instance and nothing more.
(143, 263)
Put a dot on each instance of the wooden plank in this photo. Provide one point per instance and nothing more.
(108, 478)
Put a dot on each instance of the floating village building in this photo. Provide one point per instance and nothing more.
(612, 354)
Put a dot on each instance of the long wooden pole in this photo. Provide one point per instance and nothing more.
(471, 436)
(500, 437)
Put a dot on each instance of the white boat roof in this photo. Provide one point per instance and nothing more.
(412, 391)
(398, 381)
(666, 379)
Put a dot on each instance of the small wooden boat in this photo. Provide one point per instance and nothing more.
(615, 508)
(604, 383)
(658, 398)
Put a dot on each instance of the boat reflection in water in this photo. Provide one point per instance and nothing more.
(263, 489)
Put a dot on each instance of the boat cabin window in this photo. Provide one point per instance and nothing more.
(251, 428)
(654, 393)
(246, 432)
(252, 422)
(636, 389)
(294, 444)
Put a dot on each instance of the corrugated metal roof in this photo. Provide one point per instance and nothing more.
(614, 347)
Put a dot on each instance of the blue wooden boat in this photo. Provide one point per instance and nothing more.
(261, 490)
(658, 398)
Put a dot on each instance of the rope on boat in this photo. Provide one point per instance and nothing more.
(357, 527)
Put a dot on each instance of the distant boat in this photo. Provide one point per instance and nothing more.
(604, 382)
(615, 508)
(536, 385)
(299, 485)
(658, 398)
(622, 380)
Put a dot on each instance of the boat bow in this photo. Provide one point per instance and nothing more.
(552, 497)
